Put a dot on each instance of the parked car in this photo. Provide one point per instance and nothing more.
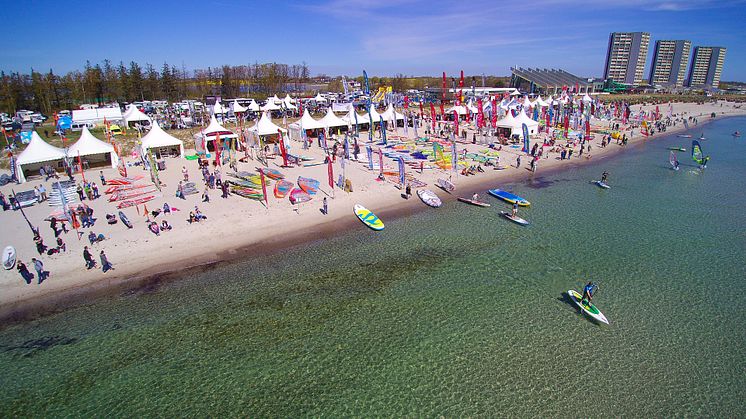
(78, 126)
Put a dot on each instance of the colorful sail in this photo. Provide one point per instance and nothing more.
(697, 155)
(673, 160)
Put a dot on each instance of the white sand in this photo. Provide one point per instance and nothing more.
(238, 223)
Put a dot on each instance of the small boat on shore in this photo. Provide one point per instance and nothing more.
(473, 202)
(445, 185)
(429, 198)
(508, 197)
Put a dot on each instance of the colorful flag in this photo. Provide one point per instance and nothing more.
(383, 130)
(264, 187)
(283, 151)
(454, 154)
(526, 144)
(380, 161)
(330, 171)
(370, 156)
(218, 150)
(432, 115)
(401, 170)
(455, 122)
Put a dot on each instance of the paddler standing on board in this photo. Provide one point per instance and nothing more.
(604, 176)
(515, 209)
(588, 291)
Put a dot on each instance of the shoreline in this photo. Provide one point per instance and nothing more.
(308, 231)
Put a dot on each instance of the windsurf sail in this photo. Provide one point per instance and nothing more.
(672, 159)
(697, 155)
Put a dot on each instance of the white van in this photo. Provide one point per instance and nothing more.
(78, 126)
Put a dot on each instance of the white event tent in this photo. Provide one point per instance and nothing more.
(218, 109)
(330, 120)
(132, 114)
(265, 127)
(253, 106)
(270, 106)
(319, 98)
(160, 141)
(390, 113)
(237, 108)
(37, 154)
(350, 118)
(95, 150)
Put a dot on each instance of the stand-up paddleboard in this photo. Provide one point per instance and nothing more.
(514, 218)
(677, 148)
(429, 198)
(508, 197)
(588, 308)
(367, 217)
(684, 136)
(9, 257)
(602, 185)
(125, 220)
(473, 202)
(445, 185)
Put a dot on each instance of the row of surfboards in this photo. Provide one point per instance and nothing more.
(431, 199)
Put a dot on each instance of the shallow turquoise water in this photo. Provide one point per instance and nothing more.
(447, 312)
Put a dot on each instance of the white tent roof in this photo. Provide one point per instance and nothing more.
(276, 100)
(237, 107)
(460, 109)
(39, 151)
(350, 118)
(88, 145)
(253, 106)
(527, 103)
(288, 105)
(587, 98)
(97, 115)
(307, 122)
(389, 113)
(330, 120)
(522, 118)
(541, 102)
(374, 115)
(265, 126)
(319, 98)
(159, 138)
(270, 106)
(214, 128)
(288, 99)
(508, 121)
(218, 109)
(132, 114)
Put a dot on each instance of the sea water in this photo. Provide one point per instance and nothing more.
(453, 311)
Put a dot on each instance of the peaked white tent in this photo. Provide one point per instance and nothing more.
(350, 118)
(540, 102)
(390, 113)
(218, 109)
(522, 118)
(460, 109)
(253, 106)
(265, 127)
(214, 129)
(95, 149)
(374, 115)
(307, 122)
(37, 154)
(270, 106)
(587, 98)
(288, 99)
(132, 114)
(237, 108)
(159, 140)
(330, 120)
(515, 124)
(527, 103)
(319, 98)
(274, 99)
(288, 104)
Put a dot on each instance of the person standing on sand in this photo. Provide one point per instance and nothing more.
(39, 266)
(27, 276)
(326, 208)
(101, 176)
(105, 264)
(88, 257)
(185, 173)
(518, 162)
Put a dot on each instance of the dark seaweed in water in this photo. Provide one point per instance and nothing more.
(30, 348)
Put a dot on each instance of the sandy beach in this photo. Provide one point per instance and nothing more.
(239, 228)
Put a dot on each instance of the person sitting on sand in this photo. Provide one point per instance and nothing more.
(192, 218)
(93, 238)
(153, 226)
(165, 226)
(198, 214)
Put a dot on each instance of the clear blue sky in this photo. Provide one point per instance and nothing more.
(413, 37)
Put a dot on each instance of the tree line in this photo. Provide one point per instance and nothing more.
(106, 82)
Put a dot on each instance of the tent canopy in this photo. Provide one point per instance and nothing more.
(270, 106)
(390, 112)
(253, 106)
(218, 109)
(214, 129)
(37, 151)
(350, 118)
(264, 126)
(132, 114)
(158, 138)
(319, 98)
(237, 108)
(288, 99)
(89, 145)
(307, 122)
(330, 120)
